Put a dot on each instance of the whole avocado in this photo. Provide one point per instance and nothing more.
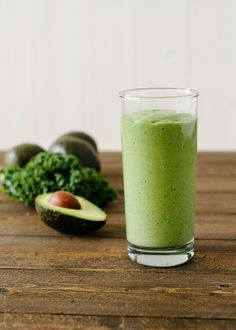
(81, 135)
(21, 154)
(78, 147)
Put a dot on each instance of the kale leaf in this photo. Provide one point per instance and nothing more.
(49, 172)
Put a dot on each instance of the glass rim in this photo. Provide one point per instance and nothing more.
(173, 93)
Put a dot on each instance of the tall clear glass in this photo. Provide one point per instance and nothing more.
(159, 145)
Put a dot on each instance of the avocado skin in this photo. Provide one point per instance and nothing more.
(81, 135)
(67, 224)
(80, 148)
(21, 154)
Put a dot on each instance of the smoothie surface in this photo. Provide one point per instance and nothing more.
(159, 155)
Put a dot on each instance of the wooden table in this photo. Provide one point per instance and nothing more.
(52, 281)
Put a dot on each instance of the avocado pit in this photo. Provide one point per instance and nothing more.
(64, 199)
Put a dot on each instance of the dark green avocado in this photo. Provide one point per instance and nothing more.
(21, 154)
(81, 135)
(80, 148)
(70, 221)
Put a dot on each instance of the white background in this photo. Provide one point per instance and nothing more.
(62, 63)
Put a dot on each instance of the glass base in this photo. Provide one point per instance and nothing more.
(164, 257)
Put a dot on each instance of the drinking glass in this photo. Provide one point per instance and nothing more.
(159, 145)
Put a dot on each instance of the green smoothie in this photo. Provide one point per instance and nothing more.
(159, 154)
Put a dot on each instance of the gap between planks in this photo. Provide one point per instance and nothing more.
(119, 316)
(105, 237)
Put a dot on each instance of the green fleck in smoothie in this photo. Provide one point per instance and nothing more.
(159, 154)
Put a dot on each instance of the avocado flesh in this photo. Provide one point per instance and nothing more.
(70, 221)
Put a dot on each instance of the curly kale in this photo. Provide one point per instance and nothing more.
(49, 172)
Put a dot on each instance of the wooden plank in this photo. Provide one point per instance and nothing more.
(208, 226)
(207, 170)
(210, 164)
(119, 281)
(212, 184)
(204, 183)
(10, 321)
(206, 203)
(104, 253)
(214, 158)
(216, 203)
(215, 226)
(177, 324)
(96, 293)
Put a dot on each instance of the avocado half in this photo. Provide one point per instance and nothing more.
(70, 221)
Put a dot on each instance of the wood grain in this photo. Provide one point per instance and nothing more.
(208, 226)
(53, 281)
(75, 322)
(104, 253)
(26, 291)
(111, 303)
(209, 164)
